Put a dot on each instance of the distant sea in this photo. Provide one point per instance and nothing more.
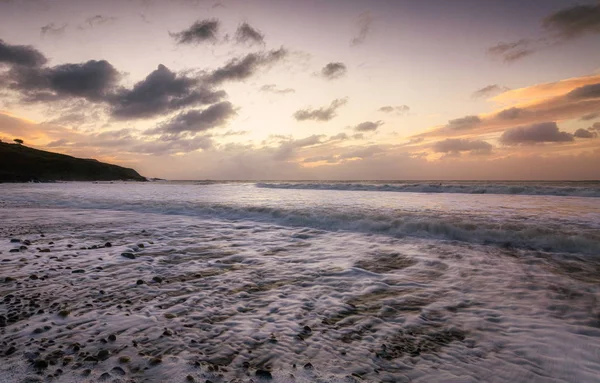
(326, 281)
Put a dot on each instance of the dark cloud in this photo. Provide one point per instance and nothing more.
(457, 145)
(575, 21)
(58, 143)
(533, 134)
(272, 88)
(167, 146)
(489, 90)
(98, 20)
(195, 121)
(288, 148)
(92, 80)
(595, 127)
(243, 68)
(513, 51)
(586, 91)
(334, 70)
(339, 137)
(321, 114)
(400, 109)
(162, 91)
(201, 31)
(510, 113)
(590, 116)
(584, 133)
(364, 23)
(21, 55)
(463, 123)
(368, 126)
(53, 30)
(245, 34)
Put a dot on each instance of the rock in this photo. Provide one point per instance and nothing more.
(11, 350)
(13, 250)
(155, 361)
(264, 374)
(15, 240)
(108, 244)
(22, 247)
(112, 337)
(44, 250)
(157, 279)
(27, 242)
(105, 376)
(86, 372)
(33, 276)
(64, 313)
(139, 282)
(308, 366)
(128, 255)
(103, 354)
(190, 378)
(90, 359)
(118, 371)
(78, 271)
(124, 359)
(40, 364)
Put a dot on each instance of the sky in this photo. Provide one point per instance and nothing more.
(312, 89)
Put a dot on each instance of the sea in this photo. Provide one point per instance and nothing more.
(354, 281)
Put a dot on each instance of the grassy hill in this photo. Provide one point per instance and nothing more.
(19, 163)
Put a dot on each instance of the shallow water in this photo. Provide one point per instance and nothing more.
(363, 285)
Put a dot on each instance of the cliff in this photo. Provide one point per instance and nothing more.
(19, 163)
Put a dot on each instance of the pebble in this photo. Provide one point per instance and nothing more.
(112, 337)
(157, 279)
(108, 244)
(118, 370)
(105, 376)
(264, 374)
(128, 255)
(139, 282)
(40, 364)
(15, 240)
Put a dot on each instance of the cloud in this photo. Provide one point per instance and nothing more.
(535, 133)
(162, 91)
(584, 133)
(512, 51)
(92, 80)
(590, 116)
(463, 123)
(364, 23)
(98, 20)
(194, 121)
(288, 149)
(574, 22)
(321, 114)
(510, 113)
(58, 143)
(489, 90)
(21, 55)
(362, 153)
(400, 109)
(333, 70)
(328, 159)
(245, 34)
(52, 30)
(243, 68)
(200, 32)
(272, 88)
(167, 147)
(457, 145)
(595, 127)
(368, 126)
(586, 91)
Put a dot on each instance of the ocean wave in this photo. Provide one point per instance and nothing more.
(464, 188)
(530, 235)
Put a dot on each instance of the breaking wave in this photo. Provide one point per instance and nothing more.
(573, 189)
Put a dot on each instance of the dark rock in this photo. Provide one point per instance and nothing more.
(105, 376)
(139, 282)
(90, 359)
(190, 378)
(118, 371)
(27, 242)
(112, 337)
(64, 313)
(308, 366)
(22, 247)
(33, 276)
(44, 250)
(264, 374)
(103, 354)
(13, 250)
(15, 240)
(157, 279)
(78, 271)
(108, 244)
(11, 350)
(128, 255)
(124, 359)
(86, 372)
(40, 364)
